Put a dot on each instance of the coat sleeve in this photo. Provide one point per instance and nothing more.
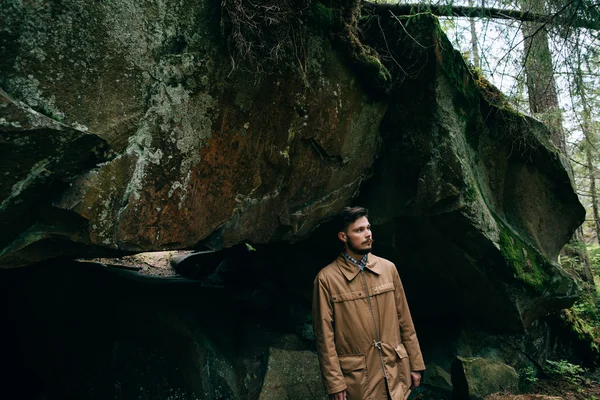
(322, 318)
(407, 328)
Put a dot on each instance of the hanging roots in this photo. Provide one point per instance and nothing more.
(262, 33)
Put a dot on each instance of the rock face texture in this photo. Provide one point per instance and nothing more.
(200, 149)
(39, 158)
(292, 375)
(145, 132)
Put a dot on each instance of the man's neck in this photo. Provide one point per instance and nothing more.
(354, 255)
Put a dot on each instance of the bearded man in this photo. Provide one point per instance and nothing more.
(364, 333)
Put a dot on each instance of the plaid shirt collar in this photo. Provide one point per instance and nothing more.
(361, 264)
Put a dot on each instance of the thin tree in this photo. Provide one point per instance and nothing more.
(474, 46)
(586, 127)
(539, 71)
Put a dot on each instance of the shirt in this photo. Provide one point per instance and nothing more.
(361, 264)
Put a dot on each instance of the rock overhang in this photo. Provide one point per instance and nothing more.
(204, 157)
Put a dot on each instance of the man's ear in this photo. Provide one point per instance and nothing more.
(342, 236)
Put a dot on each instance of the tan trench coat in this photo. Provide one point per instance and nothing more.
(362, 328)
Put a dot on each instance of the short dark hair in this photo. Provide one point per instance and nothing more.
(348, 215)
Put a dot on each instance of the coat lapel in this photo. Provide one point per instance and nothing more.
(350, 270)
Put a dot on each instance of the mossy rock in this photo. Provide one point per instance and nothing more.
(528, 264)
(475, 378)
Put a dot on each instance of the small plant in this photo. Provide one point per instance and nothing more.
(529, 375)
(594, 254)
(565, 370)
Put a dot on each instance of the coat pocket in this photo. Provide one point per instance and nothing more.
(383, 288)
(401, 351)
(352, 363)
(403, 365)
(354, 368)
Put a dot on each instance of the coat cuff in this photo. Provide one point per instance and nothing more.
(336, 389)
(417, 366)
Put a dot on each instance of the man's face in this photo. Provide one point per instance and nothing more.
(358, 237)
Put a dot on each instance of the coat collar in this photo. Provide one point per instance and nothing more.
(350, 270)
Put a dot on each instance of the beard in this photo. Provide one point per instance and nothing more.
(362, 252)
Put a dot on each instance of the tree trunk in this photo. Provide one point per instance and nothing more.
(593, 194)
(476, 62)
(587, 132)
(543, 100)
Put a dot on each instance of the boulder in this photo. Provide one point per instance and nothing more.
(437, 377)
(292, 375)
(462, 188)
(203, 150)
(466, 194)
(476, 378)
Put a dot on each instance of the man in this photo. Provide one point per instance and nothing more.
(365, 337)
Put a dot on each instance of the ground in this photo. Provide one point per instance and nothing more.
(558, 389)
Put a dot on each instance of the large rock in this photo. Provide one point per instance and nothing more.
(201, 148)
(292, 375)
(438, 378)
(475, 378)
(464, 187)
(466, 192)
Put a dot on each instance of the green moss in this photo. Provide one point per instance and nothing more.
(528, 265)
(582, 329)
(364, 61)
(322, 16)
(470, 192)
(50, 113)
(584, 319)
(373, 66)
(56, 117)
(490, 93)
